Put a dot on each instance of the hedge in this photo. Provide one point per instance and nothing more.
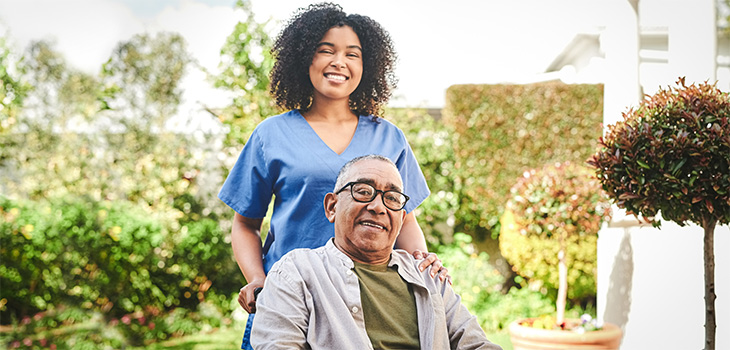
(503, 130)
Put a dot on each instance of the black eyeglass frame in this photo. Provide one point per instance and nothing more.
(375, 194)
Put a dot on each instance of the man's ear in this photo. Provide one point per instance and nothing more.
(330, 199)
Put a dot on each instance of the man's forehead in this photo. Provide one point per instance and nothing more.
(375, 171)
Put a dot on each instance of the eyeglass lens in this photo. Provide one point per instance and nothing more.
(363, 192)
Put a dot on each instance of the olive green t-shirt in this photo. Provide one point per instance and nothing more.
(389, 307)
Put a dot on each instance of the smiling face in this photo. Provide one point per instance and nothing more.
(366, 232)
(336, 68)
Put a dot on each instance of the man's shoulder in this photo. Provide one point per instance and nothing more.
(294, 255)
(300, 259)
(410, 265)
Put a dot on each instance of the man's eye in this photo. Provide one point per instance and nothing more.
(364, 191)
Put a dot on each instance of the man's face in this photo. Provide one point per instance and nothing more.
(366, 232)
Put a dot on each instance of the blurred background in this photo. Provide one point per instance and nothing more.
(120, 119)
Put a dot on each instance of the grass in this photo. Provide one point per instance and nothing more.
(230, 338)
(501, 339)
(224, 339)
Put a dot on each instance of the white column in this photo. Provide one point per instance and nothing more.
(693, 40)
(620, 44)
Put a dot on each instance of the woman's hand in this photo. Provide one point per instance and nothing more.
(246, 243)
(246, 296)
(430, 259)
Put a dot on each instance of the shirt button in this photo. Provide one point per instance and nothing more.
(349, 272)
(355, 309)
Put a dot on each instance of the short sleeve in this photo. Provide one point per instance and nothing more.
(414, 182)
(249, 187)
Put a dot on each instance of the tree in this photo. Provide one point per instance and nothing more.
(552, 220)
(12, 88)
(142, 79)
(245, 65)
(671, 156)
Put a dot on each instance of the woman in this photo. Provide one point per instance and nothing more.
(334, 72)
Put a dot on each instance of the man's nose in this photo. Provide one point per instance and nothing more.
(376, 205)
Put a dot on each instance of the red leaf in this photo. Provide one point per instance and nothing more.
(627, 195)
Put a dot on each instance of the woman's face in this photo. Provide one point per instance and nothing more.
(336, 68)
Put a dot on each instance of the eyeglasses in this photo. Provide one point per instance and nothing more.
(365, 193)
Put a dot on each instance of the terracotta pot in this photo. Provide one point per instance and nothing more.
(528, 338)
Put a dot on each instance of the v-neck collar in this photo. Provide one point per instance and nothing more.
(314, 137)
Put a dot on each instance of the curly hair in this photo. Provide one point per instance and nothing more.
(295, 46)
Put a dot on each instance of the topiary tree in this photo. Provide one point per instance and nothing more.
(552, 219)
(671, 156)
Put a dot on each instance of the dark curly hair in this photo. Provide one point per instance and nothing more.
(294, 49)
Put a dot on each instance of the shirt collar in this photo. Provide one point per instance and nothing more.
(398, 257)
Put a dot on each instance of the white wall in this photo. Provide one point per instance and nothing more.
(651, 284)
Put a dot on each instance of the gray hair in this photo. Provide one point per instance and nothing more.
(342, 175)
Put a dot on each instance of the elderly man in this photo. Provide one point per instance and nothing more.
(357, 292)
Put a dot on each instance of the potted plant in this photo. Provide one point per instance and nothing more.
(670, 156)
(548, 234)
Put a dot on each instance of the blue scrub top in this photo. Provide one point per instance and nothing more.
(286, 158)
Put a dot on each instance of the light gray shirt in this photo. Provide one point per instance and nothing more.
(311, 300)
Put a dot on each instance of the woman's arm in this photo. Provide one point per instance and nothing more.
(411, 236)
(246, 243)
(412, 240)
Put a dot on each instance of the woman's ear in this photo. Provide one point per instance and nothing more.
(330, 199)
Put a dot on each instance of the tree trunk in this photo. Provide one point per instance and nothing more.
(709, 225)
(562, 287)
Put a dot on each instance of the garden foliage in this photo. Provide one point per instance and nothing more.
(559, 207)
(111, 258)
(503, 130)
(479, 284)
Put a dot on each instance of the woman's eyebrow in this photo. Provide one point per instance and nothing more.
(325, 43)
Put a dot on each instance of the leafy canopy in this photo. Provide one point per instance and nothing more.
(671, 154)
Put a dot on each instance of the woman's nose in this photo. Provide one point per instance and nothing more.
(337, 62)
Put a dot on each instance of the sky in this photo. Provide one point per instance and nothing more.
(439, 43)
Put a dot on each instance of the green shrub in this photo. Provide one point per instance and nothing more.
(479, 284)
(555, 212)
(111, 258)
